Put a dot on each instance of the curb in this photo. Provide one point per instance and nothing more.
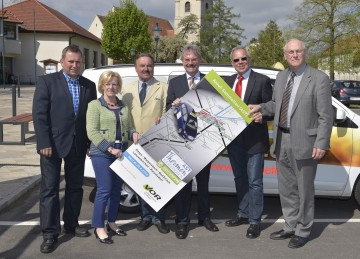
(19, 192)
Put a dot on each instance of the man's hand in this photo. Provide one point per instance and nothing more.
(176, 102)
(157, 120)
(318, 153)
(46, 152)
(255, 113)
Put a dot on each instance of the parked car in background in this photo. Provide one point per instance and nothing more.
(338, 173)
(346, 91)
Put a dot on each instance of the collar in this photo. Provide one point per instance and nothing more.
(68, 78)
(246, 75)
(299, 71)
(103, 102)
(196, 76)
(148, 82)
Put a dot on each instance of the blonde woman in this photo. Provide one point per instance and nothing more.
(109, 127)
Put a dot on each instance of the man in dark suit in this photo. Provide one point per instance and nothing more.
(246, 152)
(178, 87)
(59, 112)
(303, 119)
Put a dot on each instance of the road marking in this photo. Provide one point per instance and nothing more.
(136, 221)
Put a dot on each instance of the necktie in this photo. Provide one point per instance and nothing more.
(142, 93)
(285, 101)
(191, 82)
(238, 87)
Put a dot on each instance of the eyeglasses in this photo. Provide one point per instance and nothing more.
(238, 59)
(298, 51)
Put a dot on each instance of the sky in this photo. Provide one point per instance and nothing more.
(254, 14)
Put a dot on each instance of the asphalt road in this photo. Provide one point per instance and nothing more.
(335, 234)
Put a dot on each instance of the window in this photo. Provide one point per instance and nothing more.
(187, 7)
(102, 59)
(86, 57)
(95, 59)
(10, 30)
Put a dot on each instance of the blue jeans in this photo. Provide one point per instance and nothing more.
(248, 177)
(148, 214)
(108, 191)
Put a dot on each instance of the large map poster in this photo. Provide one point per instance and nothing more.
(187, 138)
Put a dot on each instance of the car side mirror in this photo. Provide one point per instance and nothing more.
(340, 116)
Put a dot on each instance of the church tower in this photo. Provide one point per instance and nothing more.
(186, 7)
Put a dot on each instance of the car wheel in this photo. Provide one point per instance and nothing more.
(129, 201)
(357, 192)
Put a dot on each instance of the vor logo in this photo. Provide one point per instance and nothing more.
(152, 191)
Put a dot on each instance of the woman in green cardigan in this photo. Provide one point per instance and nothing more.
(109, 127)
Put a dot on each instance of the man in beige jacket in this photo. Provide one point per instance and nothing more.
(146, 99)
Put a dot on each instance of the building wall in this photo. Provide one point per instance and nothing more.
(27, 65)
(197, 7)
(96, 28)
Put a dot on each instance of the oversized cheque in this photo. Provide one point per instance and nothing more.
(187, 138)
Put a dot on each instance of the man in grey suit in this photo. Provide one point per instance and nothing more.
(303, 117)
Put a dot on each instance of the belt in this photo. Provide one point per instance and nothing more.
(284, 130)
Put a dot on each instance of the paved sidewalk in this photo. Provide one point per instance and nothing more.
(19, 164)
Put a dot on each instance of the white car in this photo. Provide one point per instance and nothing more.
(338, 172)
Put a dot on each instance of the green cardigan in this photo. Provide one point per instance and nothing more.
(101, 126)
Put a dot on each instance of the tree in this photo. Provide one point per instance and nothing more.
(188, 25)
(126, 28)
(269, 48)
(322, 23)
(218, 35)
(170, 48)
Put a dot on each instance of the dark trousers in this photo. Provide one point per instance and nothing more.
(49, 192)
(183, 198)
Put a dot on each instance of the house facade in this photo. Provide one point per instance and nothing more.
(41, 35)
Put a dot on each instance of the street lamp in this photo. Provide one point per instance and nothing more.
(132, 53)
(156, 32)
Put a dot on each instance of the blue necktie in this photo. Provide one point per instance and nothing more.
(142, 93)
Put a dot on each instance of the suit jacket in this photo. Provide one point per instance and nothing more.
(153, 106)
(255, 137)
(54, 118)
(178, 87)
(311, 117)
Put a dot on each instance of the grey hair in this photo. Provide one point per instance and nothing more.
(237, 48)
(191, 47)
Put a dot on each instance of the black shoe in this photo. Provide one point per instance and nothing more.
(162, 227)
(236, 222)
(182, 231)
(77, 231)
(48, 245)
(253, 231)
(106, 240)
(281, 235)
(119, 231)
(297, 241)
(208, 224)
(143, 225)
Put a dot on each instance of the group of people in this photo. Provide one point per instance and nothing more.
(71, 122)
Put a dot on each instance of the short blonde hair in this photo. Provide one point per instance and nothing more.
(105, 77)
